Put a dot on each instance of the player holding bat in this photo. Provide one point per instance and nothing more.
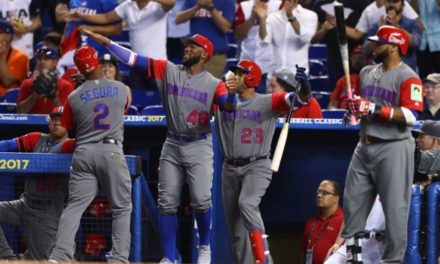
(245, 138)
(391, 96)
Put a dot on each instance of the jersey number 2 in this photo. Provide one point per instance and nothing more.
(102, 111)
(249, 136)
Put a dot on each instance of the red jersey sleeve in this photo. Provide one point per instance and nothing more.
(219, 91)
(27, 142)
(64, 89)
(411, 94)
(157, 68)
(68, 146)
(336, 94)
(67, 117)
(311, 110)
(25, 90)
(279, 103)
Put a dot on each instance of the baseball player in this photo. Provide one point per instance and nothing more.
(391, 95)
(372, 249)
(96, 111)
(39, 208)
(245, 137)
(188, 92)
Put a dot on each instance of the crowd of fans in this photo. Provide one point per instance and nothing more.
(275, 34)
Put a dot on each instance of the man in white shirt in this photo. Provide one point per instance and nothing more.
(372, 14)
(290, 31)
(147, 26)
(246, 32)
(24, 16)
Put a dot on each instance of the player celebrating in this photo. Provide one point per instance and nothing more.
(245, 137)
(188, 92)
(383, 161)
(96, 111)
(39, 207)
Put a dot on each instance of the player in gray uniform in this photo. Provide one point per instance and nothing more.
(383, 161)
(39, 208)
(96, 111)
(187, 92)
(246, 137)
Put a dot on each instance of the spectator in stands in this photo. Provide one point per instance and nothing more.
(71, 38)
(24, 17)
(429, 49)
(327, 32)
(432, 102)
(394, 17)
(246, 32)
(44, 90)
(374, 13)
(176, 34)
(13, 63)
(110, 68)
(213, 19)
(39, 208)
(290, 31)
(321, 230)
(145, 18)
(283, 79)
(339, 95)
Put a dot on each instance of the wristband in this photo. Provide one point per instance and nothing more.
(384, 113)
(232, 99)
(291, 19)
(210, 8)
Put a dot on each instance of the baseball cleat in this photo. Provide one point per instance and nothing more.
(204, 255)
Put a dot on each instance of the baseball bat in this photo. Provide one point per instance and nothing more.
(279, 149)
(343, 48)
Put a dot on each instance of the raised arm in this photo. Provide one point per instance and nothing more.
(101, 19)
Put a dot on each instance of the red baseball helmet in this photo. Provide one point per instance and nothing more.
(392, 35)
(252, 70)
(99, 207)
(86, 59)
(94, 244)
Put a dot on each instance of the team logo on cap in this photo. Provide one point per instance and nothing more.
(396, 38)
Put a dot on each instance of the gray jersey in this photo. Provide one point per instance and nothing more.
(429, 161)
(46, 186)
(248, 131)
(399, 87)
(187, 98)
(99, 110)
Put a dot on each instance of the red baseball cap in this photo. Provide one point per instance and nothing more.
(392, 35)
(57, 111)
(204, 43)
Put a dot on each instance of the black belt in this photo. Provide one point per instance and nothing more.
(368, 140)
(186, 138)
(110, 141)
(220, 52)
(39, 202)
(243, 162)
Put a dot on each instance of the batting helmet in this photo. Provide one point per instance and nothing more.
(86, 59)
(392, 35)
(94, 244)
(252, 70)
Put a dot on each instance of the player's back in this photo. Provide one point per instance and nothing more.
(98, 110)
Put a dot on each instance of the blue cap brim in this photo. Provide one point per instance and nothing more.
(377, 39)
(238, 67)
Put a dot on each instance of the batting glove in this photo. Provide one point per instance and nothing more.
(302, 78)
